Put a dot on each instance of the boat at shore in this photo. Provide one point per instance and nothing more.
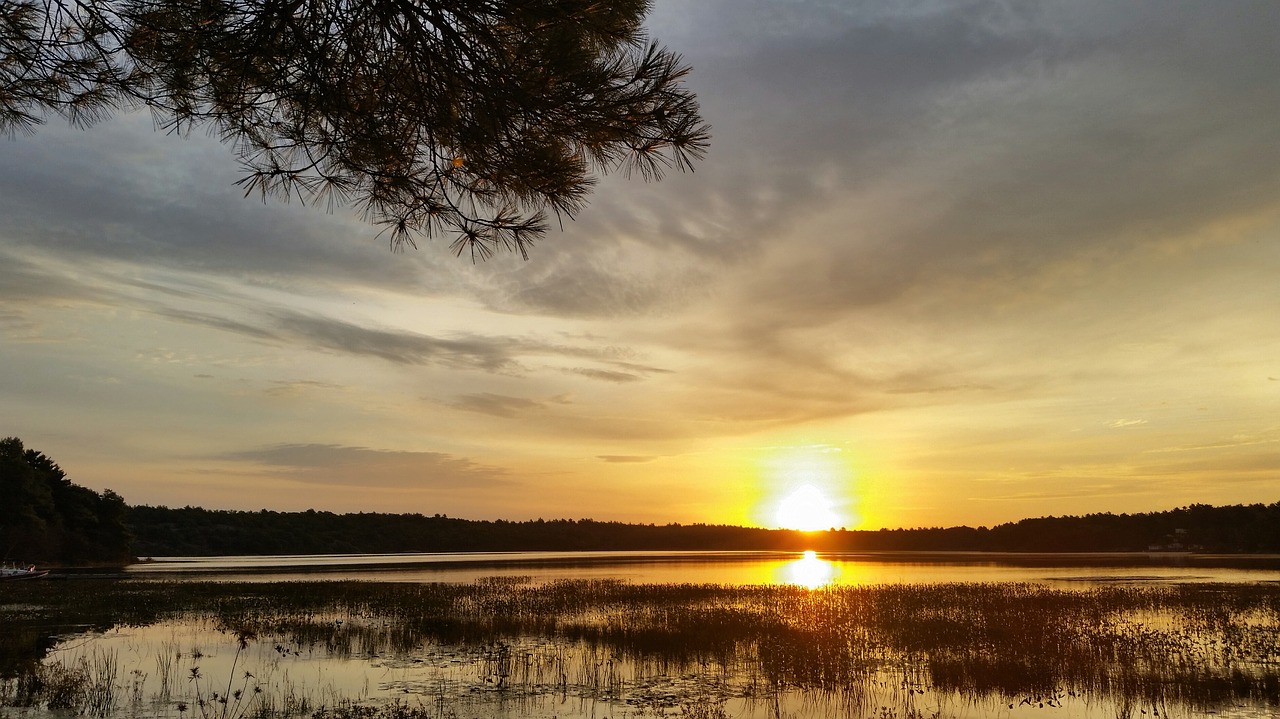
(14, 573)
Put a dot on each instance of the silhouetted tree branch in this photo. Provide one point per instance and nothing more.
(471, 118)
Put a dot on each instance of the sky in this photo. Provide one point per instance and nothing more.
(945, 263)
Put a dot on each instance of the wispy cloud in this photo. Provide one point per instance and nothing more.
(605, 375)
(287, 389)
(497, 405)
(1123, 423)
(491, 354)
(331, 464)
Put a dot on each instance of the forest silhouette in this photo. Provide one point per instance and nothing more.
(193, 531)
(51, 520)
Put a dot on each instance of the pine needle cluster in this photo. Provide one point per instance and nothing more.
(477, 120)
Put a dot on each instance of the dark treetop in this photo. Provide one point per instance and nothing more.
(468, 118)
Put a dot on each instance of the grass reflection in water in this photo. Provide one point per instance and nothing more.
(506, 647)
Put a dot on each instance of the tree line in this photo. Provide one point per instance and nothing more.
(193, 531)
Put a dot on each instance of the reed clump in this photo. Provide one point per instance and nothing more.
(87, 685)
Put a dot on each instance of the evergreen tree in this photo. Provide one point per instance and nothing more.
(472, 118)
(50, 519)
(26, 523)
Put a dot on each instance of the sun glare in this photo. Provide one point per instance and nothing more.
(806, 509)
(808, 571)
(808, 487)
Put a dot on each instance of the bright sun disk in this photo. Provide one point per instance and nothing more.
(806, 509)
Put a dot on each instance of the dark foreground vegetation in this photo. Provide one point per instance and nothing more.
(192, 531)
(1143, 650)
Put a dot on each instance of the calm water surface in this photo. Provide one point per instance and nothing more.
(860, 636)
(735, 568)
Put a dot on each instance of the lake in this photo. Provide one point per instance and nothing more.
(618, 635)
(738, 568)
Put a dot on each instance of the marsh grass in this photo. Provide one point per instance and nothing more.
(165, 655)
(100, 687)
(879, 652)
(84, 686)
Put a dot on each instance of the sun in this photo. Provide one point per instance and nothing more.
(808, 487)
(806, 509)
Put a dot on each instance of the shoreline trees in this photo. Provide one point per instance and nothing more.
(48, 519)
(193, 531)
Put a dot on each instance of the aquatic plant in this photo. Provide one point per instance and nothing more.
(687, 649)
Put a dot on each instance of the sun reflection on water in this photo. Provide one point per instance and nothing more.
(808, 571)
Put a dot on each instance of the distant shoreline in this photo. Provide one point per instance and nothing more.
(336, 563)
(1241, 530)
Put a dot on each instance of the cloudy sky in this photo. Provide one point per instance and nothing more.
(946, 263)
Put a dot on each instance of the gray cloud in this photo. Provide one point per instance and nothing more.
(497, 405)
(604, 375)
(216, 322)
(1012, 142)
(625, 458)
(331, 464)
(1082, 488)
(1135, 136)
(799, 123)
(575, 286)
(399, 347)
(17, 325)
(1240, 465)
(1038, 154)
(937, 389)
(285, 389)
(121, 192)
(24, 282)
